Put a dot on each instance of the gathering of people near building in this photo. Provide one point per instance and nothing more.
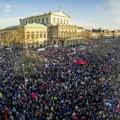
(41, 30)
(71, 84)
(50, 28)
(52, 70)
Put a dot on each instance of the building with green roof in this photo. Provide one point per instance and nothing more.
(27, 35)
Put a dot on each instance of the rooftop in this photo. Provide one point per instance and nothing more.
(60, 12)
(27, 25)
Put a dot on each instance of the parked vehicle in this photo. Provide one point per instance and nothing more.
(51, 47)
(40, 49)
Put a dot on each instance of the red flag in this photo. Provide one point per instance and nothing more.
(81, 62)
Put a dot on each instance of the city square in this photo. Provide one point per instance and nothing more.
(51, 69)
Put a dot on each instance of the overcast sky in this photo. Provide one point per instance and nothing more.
(85, 13)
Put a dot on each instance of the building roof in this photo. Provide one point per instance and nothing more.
(97, 30)
(12, 27)
(27, 25)
(59, 13)
(80, 27)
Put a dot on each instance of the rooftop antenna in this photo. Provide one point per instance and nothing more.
(60, 9)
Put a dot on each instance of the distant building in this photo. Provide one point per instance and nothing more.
(117, 33)
(96, 33)
(108, 33)
(99, 33)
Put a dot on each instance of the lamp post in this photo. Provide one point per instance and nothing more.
(23, 71)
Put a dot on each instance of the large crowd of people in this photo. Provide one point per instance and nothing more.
(71, 84)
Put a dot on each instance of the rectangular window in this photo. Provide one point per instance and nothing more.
(54, 20)
(57, 20)
(64, 21)
(67, 22)
(38, 20)
(32, 36)
(47, 20)
(61, 21)
(44, 34)
(43, 20)
(40, 34)
(37, 36)
(31, 21)
(28, 36)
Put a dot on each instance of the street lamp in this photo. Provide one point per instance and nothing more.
(23, 70)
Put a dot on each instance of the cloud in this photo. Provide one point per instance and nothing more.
(7, 8)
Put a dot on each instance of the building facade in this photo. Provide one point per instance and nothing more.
(50, 28)
(63, 35)
(41, 30)
(51, 18)
(30, 35)
(11, 34)
(117, 33)
(99, 33)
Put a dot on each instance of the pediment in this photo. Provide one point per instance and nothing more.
(60, 13)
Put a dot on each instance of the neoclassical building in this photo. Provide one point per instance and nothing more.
(63, 35)
(27, 35)
(41, 30)
(51, 18)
